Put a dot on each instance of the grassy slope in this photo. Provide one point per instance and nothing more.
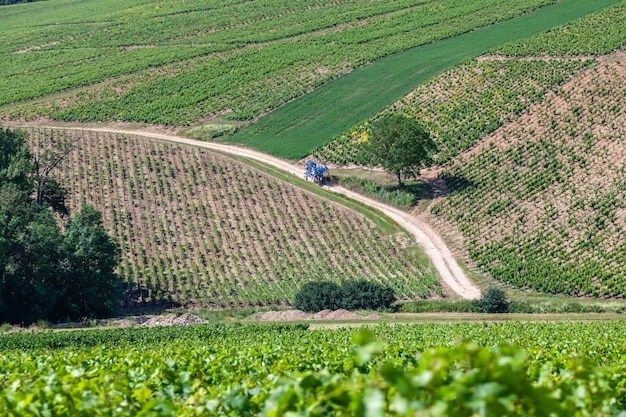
(299, 127)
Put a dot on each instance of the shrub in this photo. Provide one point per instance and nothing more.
(492, 301)
(351, 295)
(318, 296)
(365, 295)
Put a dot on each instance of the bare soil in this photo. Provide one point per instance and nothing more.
(299, 315)
(171, 320)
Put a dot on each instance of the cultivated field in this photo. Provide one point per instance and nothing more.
(176, 63)
(533, 139)
(541, 201)
(537, 190)
(199, 229)
(464, 104)
(274, 370)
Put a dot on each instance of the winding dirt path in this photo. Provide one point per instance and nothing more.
(451, 273)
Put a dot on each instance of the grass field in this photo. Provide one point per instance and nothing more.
(296, 129)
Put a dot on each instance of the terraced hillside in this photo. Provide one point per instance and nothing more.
(200, 229)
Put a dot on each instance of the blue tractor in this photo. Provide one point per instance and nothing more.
(317, 173)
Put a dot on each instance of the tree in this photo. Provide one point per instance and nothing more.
(492, 301)
(366, 295)
(15, 161)
(47, 189)
(317, 296)
(45, 273)
(351, 295)
(91, 258)
(30, 260)
(400, 145)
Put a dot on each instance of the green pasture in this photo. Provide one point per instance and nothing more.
(299, 127)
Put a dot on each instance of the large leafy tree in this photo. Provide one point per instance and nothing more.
(44, 272)
(91, 258)
(400, 145)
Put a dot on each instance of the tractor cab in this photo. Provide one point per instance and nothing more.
(318, 173)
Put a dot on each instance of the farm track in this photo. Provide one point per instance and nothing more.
(433, 245)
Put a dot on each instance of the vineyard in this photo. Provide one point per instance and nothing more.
(542, 201)
(597, 34)
(466, 103)
(177, 62)
(199, 229)
(429, 369)
(537, 191)
(463, 105)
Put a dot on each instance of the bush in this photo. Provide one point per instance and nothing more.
(351, 295)
(365, 295)
(492, 301)
(318, 296)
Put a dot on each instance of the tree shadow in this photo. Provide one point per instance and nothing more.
(144, 301)
(421, 190)
(455, 183)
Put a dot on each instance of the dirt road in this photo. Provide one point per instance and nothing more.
(436, 249)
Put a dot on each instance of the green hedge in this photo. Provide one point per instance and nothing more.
(350, 295)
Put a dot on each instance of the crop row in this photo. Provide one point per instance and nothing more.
(284, 370)
(466, 103)
(598, 34)
(237, 56)
(196, 228)
(542, 202)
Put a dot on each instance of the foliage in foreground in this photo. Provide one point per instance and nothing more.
(284, 370)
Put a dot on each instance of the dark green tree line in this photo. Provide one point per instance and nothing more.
(45, 272)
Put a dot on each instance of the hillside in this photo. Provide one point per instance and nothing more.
(532, 153)
(177, 63)
(197, 229)
(462, 105)
(195, 236)
(542, 200)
